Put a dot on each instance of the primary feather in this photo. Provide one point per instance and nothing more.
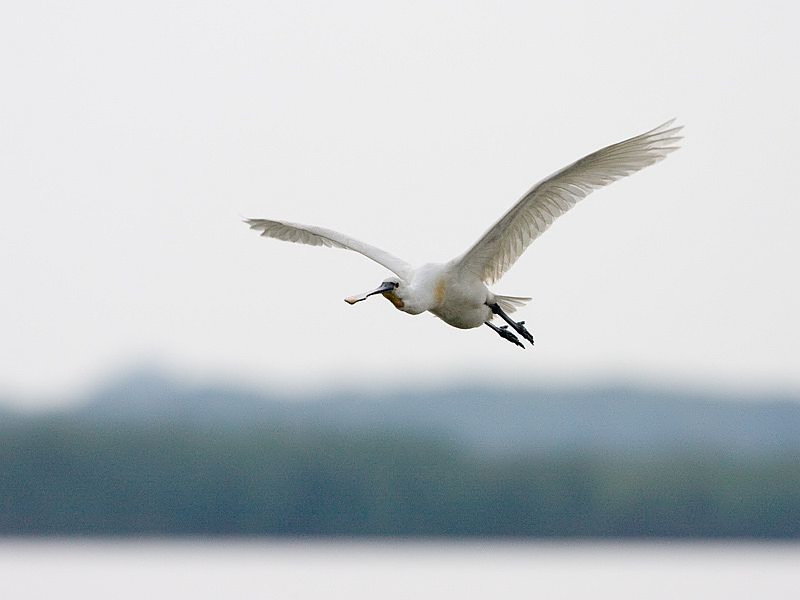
(319, 236)
(500, 247)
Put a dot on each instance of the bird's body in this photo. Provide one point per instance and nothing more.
(457, 300)
(457, 291)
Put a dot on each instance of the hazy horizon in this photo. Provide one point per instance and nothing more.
(151, 455)
(69, 397)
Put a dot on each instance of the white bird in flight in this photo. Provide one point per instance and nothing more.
(456, 291)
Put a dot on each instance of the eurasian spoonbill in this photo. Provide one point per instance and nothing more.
(456, 291)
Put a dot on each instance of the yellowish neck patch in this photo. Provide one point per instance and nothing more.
(439, 292)
(392, 297)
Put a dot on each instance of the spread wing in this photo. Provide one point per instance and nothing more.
(506, 240)
(318, 236)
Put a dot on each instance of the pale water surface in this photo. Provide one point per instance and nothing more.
(355, 570)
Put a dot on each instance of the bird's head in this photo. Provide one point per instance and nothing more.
(389, 288)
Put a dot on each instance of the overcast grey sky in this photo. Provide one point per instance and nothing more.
(134, 136)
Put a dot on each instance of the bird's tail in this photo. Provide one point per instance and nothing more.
(510, 303)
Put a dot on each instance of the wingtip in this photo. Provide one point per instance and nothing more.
(253, 223)
(665, 138)
(667, 127)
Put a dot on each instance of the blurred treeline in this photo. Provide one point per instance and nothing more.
(72, 474)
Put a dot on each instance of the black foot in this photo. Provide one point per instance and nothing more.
(518, 327)
(524, 332)
(507, 335)
(504, 333)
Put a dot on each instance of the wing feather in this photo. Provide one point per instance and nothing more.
(319, 236)
(506, 240)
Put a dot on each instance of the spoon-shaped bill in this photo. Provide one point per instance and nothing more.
(386, 286)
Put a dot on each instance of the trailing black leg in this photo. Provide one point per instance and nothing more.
(504, 333)
(519, 327)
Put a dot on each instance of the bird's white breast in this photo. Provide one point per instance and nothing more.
(457, 299)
